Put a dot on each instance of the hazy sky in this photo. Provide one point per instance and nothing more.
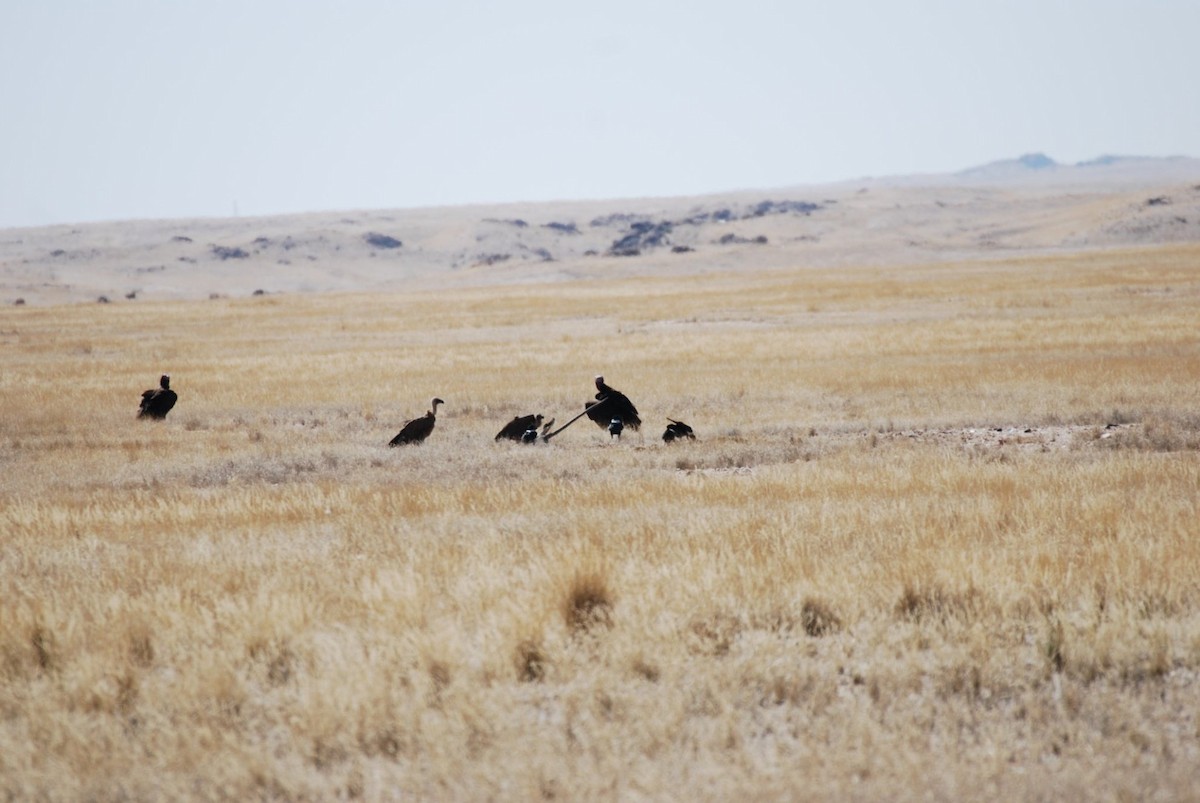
(115, 109)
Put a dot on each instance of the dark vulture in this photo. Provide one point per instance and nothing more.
(531, 435)
(418, 429)
(610, 404)
(157, 402)
(515, 430)
(678, 429)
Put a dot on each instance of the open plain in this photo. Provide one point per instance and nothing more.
(938, 537)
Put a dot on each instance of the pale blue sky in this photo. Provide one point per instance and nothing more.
(174, 108)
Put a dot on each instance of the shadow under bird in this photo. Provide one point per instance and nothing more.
(157, 402)
(678, 429)
(418, 429)
(515, 430)
(614, 428)
(611, 403)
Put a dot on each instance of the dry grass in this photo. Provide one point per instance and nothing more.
(256, 599)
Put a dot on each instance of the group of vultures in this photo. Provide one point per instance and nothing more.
(611, 410)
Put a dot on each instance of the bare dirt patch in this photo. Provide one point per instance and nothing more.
(1045, 438)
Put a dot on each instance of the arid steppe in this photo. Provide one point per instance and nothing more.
(938, 537)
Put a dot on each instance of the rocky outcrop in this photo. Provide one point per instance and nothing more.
(377, 240)
(223, 252)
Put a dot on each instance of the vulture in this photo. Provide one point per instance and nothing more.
(157, 402)
(612, 404)
(418, 429)
(678, 429)
(515, 430)
(531, 435)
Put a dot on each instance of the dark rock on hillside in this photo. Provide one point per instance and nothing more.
(564, 228)
(615, 219)
(734, 239)
(718, 216)
(541, 253)
(520, 224)
(783, 208)
(492, 259)
(225, 252)
(381, 240)
(644, 234)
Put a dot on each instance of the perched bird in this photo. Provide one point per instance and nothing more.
(611, 403)
(614, 428)
(678, 429)
(157, 402)
(418, 429)
(515, 430)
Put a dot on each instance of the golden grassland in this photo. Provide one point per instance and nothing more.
(837, 592)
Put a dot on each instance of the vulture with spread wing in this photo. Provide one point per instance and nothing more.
(611, 403)
(515, 430)
(678, 429)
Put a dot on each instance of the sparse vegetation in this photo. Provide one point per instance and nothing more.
(901, 561)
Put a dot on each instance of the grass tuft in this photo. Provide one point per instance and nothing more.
(818, 618)
(589, 603)
(715, 634)
(932, 602)
(531, 661)
(1055, 647)
(44, 653)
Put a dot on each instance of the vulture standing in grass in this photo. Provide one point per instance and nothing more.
(678, 429)
(418, 429)
(515, 430)
(610, 404)
(157, 402)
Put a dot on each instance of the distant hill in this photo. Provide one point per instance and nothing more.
(1104, 167)
(1003, 168)
(1031, 204)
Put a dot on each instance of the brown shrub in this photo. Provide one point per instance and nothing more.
(588, 604)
